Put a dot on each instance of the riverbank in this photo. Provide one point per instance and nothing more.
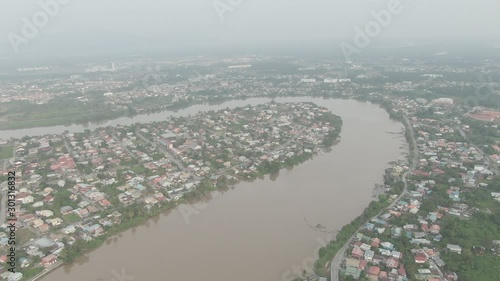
(254, 217)
(333, 253)
(372, 125)
(309, 143)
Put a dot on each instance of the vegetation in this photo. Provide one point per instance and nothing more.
(24, 235)
(30, 272)
(131, 216)
(6, 152)
(71, 218)
(63, 110)
(327, 253)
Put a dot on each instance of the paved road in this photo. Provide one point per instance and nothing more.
(68, 147)
(118, 140)
(339, 257)
(3, 207)
(3, 203)
(46, 270)
(169, 155)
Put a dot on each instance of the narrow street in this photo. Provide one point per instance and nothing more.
(169, 155)
(117, 139)
(68, 147)
(3, 207)
(3, 203)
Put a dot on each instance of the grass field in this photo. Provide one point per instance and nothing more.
(71, 218)
(24, 235)
(6, 152)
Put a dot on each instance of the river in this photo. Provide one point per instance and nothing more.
(257, 231)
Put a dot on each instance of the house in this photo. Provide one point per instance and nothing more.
(420, 258)
(451, 276)
(369, 254)
(375, 242)
(24, 262)
(392, 263)
(69, 229)
(374, 270)
(396, 232)
(365, 247)
(396, 255)
(44, 243)
(55, 221)
(435, 229)
(44, 228)
(454, 248)
(387, 245)
(66, 210)
(439, 262)
(105, 203)
(44, 213)
(357, 253)
(352, 271)
(15, 276)
(48, 260)
(352, 262)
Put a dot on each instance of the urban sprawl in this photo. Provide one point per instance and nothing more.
(438, 218)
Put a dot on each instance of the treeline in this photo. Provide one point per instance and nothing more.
(327, 253)
(135, 215)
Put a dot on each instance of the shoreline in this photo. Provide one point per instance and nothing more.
(170, 208)
(102, 123)
(206, 189)
(166, 211)
(339, 254)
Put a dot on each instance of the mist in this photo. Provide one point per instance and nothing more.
(198, 27)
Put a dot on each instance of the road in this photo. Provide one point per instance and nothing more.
(68, 147)
(45, 271)
(3, 207)
(3, 203)
(335, 265)
(169, 155)
(118, 140)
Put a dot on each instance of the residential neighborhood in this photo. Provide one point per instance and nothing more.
(439, 219)
(434, 218)
(79, 188)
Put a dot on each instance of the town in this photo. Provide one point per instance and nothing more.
(78, 189)
(437, 219)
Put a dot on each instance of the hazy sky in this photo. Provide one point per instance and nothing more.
(109, 25)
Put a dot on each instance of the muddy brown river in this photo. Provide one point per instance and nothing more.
(259, 231)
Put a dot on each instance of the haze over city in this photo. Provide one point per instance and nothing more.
(82, 28)
(269, 140)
